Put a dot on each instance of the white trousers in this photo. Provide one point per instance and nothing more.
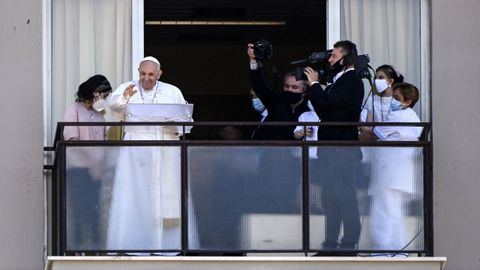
(388, 220)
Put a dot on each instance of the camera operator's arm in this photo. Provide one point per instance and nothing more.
(344, 93)
(258, 81)
(312, 76)
(315, 92)
(251, 56)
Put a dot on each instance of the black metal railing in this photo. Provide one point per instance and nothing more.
(191, 150)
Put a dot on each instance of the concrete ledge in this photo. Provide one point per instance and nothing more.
(242, 263)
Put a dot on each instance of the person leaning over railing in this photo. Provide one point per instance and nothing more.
(84, 164)
(393, 171)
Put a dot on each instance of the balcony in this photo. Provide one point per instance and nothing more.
(231, 197)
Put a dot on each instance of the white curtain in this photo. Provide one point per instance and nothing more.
(389, 31)
(88, 37)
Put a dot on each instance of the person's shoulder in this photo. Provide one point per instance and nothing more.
(71, 112)
(124, 85)
(351, 73)
(129, 82)
(368, 102)
(351, 76)
(168, 86)
(411, 115)
(405, 115)
(71, 105)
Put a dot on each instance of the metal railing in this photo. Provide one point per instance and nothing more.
(308, 216)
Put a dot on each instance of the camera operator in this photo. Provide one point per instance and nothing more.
(340, 101)
(286, 105)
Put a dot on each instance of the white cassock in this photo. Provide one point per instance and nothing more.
(146, 190)
(396, 177)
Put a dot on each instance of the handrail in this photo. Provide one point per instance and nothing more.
(61, 125)
(246, 123)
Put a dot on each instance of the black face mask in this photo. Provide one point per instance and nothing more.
(291, 98)
(335, 68)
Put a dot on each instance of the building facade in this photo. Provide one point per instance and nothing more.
(454, 43)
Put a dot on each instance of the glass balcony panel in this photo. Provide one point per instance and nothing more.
(246, 197)
(123, 198)
(367, 198)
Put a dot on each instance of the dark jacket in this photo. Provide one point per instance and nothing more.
(278, 109)
(339, 102)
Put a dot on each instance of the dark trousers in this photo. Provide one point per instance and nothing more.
(338, 167)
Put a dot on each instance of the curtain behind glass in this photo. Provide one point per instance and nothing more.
(88, 37)
(388, 31)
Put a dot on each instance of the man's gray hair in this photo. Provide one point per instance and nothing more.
(292, 74)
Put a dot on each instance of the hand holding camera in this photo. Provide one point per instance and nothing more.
(250, 53)
(259, 51)
(311, 74)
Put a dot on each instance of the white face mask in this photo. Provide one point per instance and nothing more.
(381, 85)
(99, 105)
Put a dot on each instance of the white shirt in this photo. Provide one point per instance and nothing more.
(309, 116)
(381, 107)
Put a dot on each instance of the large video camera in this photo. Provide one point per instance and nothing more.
(319, 62)
(262, 50)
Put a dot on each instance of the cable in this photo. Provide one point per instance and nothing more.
(409, 242)
(369, 78)
(395, 253)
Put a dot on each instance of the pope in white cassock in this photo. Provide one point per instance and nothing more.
(145, 208)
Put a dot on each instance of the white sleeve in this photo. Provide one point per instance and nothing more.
(367, 108)
(390, 132)
(116, 100)
(255, 66)
(302, 118)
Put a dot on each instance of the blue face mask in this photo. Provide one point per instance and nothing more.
(396, 105)
(258, 105)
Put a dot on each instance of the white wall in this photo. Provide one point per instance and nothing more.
(456, 127)
(21, 136)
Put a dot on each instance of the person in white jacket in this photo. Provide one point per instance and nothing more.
(394, 171)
